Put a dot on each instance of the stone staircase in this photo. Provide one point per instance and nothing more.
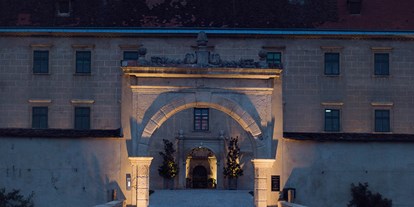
(201, 198)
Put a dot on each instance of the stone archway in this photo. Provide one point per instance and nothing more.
(229, 107)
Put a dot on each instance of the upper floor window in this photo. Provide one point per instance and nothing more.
(331, 63)
(63, 8)
(39, 117)
(201, 116)
(82, 118)
(40, 61)
(274, 59)
(130, 55)
(332, 123)
(382, 120)
(83, 61)
(381, 63)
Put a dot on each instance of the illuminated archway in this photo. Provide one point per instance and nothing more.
(231, 108)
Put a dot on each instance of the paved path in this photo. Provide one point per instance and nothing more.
(201, 198)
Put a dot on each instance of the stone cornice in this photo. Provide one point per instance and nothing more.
(247, 90)
(349, 137)
(187, 72)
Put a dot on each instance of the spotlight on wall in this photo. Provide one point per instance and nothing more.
(128, 181)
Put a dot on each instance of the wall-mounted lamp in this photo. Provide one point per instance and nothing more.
(128, 181)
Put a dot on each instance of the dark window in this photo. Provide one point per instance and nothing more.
(331, 120)
(130, 55)
(201, 119)
(354, 6)
(83, 62)
(274, 59)
(382, 120)
(82, 117)
(63, 7)
(40, 61)
(331, 63)
(39, 117)
(382, 63)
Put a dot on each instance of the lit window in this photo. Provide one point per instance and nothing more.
(130, 55)
(39, 117)
(83, 62)
(382, 120)
(331, 63)
(82, 117)
(381, 63)
(274, 59)
(332, 120)
(40, 61)
(201, 119)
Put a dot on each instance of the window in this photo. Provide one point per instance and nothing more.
(83, 62)
(331, 120)
(130, 55)
(274, 59)
(201, 119)
(381, 63)
(354, 6)
(382, 121)
(63, 8)
(82, 117)
(40, 61)
(331, 63)
(39, 117)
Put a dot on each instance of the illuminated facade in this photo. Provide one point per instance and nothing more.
(84, 112)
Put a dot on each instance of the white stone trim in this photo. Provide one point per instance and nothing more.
(382, 49)
(82, 101)
(40, 101)
(332, 103)
(83, 46)
(41, 45)
(128, 47)
(382, 104)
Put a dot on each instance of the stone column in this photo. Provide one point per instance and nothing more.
(182, 158)
(140, 172)
(262, 169)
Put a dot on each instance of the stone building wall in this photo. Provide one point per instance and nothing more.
(319, 171)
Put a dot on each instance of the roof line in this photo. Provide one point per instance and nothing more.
(178, 31)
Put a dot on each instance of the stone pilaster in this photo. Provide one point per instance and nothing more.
(262, 169)
(140, 173)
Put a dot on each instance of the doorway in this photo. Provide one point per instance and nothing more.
(201, 169)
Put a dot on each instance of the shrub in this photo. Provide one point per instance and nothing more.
(233, 168)
(362, 197)
(15, 199)
(169, 168)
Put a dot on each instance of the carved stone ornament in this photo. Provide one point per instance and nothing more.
(201, 58)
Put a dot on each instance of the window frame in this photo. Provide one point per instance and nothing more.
(59, 11)
(44, 63)
(381, 119)
(331, 119)
(377, 63)
(198, 119)
(79, 118)
(40, 120)
(271, 61)
(129, 52)
(83, 71)
(330, 61)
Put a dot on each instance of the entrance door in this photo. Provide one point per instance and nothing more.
(199, 177)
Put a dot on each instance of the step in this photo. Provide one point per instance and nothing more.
(201, 198)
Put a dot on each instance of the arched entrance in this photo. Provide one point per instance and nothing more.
(201, 168)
